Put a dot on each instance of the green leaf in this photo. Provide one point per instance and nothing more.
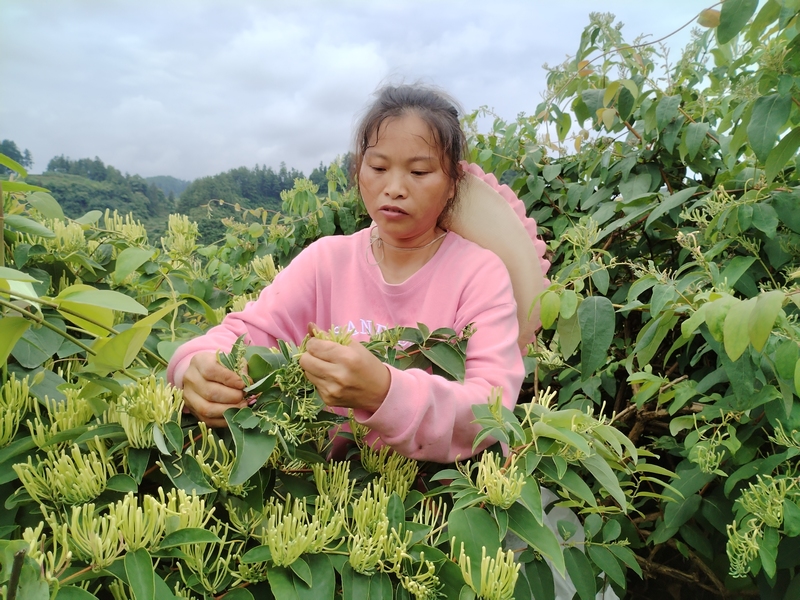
(9, 162)
(141, 578)
(598, 467)
(356, 586)
(768, 551)
(580, 571)
(736, 268)
(237, 594)
(539, 537)
(767, 308)
(672, 201)
(19, 186)
(11, 329)
(597, 321)
(186, 474)
(86, 294)
(569, 334)
(531, 498)
(765, 218)
(611, 531)
(321, 566)
(782, 154)
(600, 279)
(190, 535)
(118, 352)
(769, 116)
(475, 528)
(540, 579)
(608, 563)
(787, 206)
(733, 16)
(14, 275)
(253, 449)
(258, 554)
(38, 345)
(46, 205)
(129, 260)
(677, 513)
(122, 482)
(550, 305)
(569, 303)
(104, 317)
(446, 358)
(791, 518)
(71, 592)
(666, 110)
(26, 225)
(736, 336)
(627, 556)
(300, 568)
(694, 136)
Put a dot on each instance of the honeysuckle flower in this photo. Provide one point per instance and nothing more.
(742, 546)
(126, 227)
(184, 510)
(181, 238)
(15, 401)
(92, 538)
(67, 477)
(141, 526)
(290, 531)
(147, 403)
(215, 459)
(764, 499)
(55, 560)
(333, 482)
(63, 415)
(423, 583)
(264, 267)
(502, 486)
(210, 563)
(369, 528)
(498, 574)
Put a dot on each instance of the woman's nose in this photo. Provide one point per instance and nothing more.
(396, 185)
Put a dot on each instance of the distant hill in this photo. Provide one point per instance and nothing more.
(249, 188)
(88, 184)
(168, 184)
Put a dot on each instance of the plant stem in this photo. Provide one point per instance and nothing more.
(84, 317)
(41, 321)
(16, 569)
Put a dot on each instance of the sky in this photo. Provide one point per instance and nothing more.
(191, 88)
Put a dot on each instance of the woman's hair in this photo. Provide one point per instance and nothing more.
(436, 108)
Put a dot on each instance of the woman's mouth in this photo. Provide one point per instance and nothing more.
(390, 210)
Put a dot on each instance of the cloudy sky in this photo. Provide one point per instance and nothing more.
(195, 87)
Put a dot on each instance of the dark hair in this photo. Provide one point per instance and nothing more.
(436, 108)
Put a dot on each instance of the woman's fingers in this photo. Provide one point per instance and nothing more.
(209, 389)
(209, 369)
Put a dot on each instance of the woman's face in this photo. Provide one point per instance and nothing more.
(402, 181)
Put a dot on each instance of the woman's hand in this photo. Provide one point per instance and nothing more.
(347, 376)
(209, 389)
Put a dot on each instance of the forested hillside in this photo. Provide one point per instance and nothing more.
(88, 184)
(168, 185)
(259, 187)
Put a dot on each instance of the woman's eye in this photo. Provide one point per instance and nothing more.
(378, 169)
(419, 172)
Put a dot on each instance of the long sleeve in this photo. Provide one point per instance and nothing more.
(427, 417)
(282, 311)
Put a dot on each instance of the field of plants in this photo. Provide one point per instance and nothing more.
(661, 405)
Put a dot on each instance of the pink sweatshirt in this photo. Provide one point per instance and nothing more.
(331, 283)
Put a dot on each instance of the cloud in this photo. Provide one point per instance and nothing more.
(193, 88)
